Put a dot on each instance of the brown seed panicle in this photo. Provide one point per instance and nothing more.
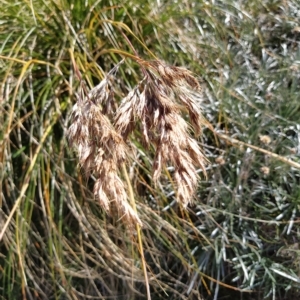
(185, 86)
(158, 102)
(101, 149)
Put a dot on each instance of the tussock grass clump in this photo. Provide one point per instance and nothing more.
(157, 103)
(241, 238)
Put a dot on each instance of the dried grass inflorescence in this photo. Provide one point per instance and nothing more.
(158, 102)
(101, 149)
(156, 106)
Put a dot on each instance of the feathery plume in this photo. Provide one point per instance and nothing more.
(101, 149)
(158, 102)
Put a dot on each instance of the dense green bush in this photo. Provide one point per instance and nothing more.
(239, 240)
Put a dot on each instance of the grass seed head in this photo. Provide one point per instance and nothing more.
(101, 149)
(156, 104)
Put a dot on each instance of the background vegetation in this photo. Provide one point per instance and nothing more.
(241, 238)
